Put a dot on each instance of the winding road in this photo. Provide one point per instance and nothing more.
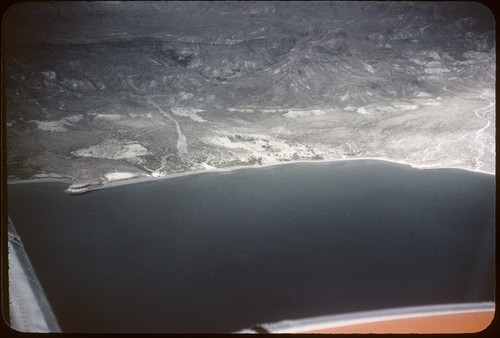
(480, 137)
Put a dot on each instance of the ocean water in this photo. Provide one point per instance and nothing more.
(220, 252)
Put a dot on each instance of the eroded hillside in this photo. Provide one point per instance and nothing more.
(153, 88)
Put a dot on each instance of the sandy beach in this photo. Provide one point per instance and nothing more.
(147, 178)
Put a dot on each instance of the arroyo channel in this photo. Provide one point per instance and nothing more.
(223, 251)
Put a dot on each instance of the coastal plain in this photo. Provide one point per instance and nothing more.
(99, 92)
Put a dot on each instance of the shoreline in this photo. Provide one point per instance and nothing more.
(146, 178)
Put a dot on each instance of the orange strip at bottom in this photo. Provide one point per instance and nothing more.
(469, 322)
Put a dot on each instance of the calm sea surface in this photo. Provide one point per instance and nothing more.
(225, 251)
